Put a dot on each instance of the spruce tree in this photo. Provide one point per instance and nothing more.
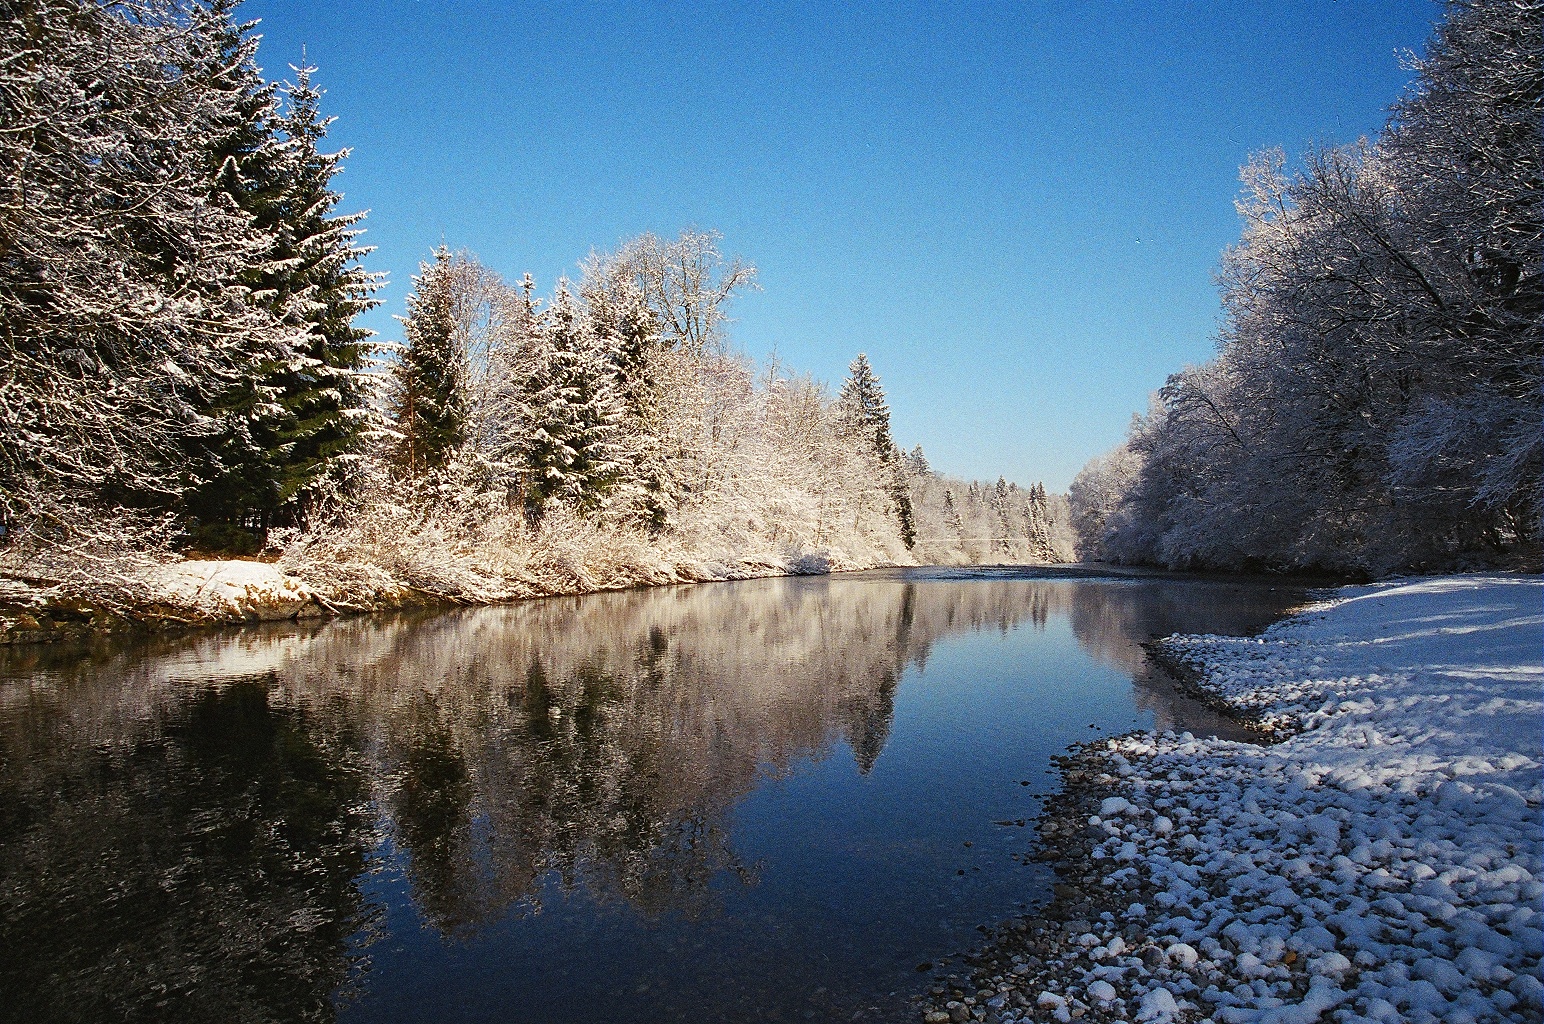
(863, 413)
(952, 513)
(319, 282)
(246, 162)
(999, 502)
(287, 422)
(1037, 520)
(426, 397)
(626, 327)
(573, 450)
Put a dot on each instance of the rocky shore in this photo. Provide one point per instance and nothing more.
(1381, 862)
(1081, 929)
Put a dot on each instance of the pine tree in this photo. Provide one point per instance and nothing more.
(426, 396)
(863, 413)
(573, 451)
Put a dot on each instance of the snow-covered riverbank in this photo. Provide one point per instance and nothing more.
(1381, 863)
(159, 592)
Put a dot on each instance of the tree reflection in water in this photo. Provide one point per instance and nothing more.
(186, 823)
(200, 865)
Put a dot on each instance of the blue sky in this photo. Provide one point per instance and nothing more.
(1014, 209)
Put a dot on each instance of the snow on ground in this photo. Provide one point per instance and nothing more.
(229, 590)
(1382, 863)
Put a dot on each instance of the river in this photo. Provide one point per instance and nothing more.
(781, 800)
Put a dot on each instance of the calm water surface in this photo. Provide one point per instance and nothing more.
(769, 800)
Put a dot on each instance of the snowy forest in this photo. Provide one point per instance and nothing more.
(183, 374)
(1374, 404)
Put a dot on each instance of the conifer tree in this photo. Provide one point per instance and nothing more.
(123, 293)
(320, 283)
(426, 396)
(863, 413)
(621, 316)
(952, 513)
(1037, 522)
(999, 503)
(290, 421)
(246, 161)
(573, 451)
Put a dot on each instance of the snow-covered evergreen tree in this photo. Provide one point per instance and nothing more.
(319, 282)
(231, 508)
(952, 513)
(1038, 522)
(426, 389)
(573, 450)
(291, 425)
(124, 287)
(246, 158)
(864, 414)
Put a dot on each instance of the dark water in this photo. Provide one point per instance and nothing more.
(769, 800)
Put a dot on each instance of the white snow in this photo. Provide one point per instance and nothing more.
(1383, 862)
(227, 590)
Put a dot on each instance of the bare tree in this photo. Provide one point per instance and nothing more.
(686, 281)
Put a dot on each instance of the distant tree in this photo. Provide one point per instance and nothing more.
(952, 514)
(1038, 522)
(863, 413)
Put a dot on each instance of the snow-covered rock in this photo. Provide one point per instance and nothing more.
(232, 590)
(1383, 862)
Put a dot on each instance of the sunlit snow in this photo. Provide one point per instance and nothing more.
(1383, 863)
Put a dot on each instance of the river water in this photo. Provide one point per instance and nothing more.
(782, 800)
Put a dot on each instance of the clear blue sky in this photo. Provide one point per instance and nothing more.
(1014, 209)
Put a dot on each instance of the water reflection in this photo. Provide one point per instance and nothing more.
(187, 825)
(198, 866)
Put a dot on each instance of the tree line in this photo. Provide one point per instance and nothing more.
(1375, 403)
(620, 397)
(974, 522)
(180, 362)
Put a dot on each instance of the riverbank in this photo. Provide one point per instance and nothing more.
(186, 593)
(383, 565)
(1381, 862)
